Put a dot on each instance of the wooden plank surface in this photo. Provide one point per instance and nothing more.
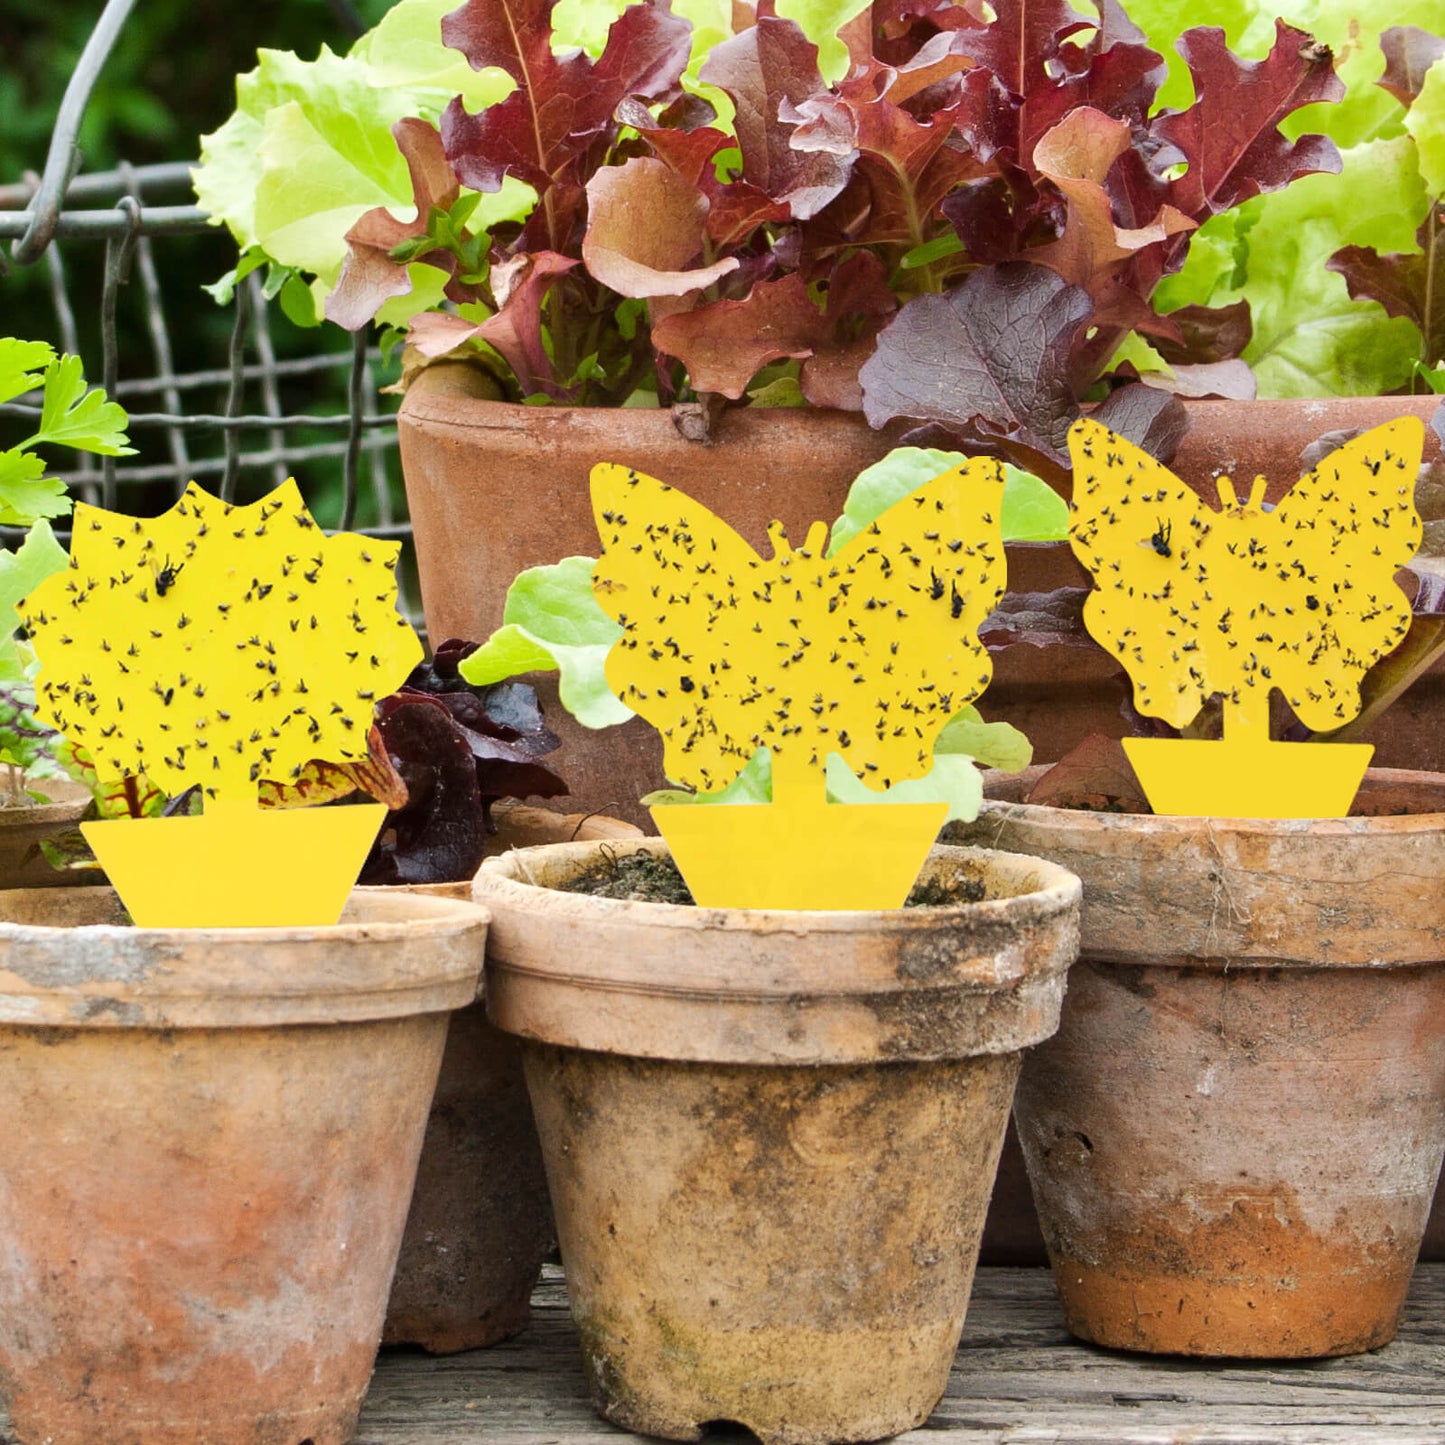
(1019, 1379)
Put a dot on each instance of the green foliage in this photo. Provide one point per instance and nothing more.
(73, 417)
(1311, 337)
(1032, 510)
(70, 417)
(309, 148)
(552, 620)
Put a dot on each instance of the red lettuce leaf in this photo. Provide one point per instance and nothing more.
(1409, 53)
(1230, 136)
(1405, 285)
(858, 304)
(988, 359)
(1207, 334)
(645, 229)
(543, 132)
(1153, 420)
(520, 285)
(370, 277)
(725, 343)
(767, 66)
(456, 752)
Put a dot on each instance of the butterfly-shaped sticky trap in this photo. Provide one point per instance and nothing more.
(865, 653)
(1242, 600)
(216, 646)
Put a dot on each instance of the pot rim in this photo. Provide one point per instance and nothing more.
(398, 954)
(1085, 819)
(379, 930)
(1059, 888)
(778, 986)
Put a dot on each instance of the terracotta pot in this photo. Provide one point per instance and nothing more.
(210, 1143)
(22, 830)
(1234, 1137)
(468, 460)
(769, 1135)
(480, 1223)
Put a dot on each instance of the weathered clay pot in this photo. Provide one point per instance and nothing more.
(210, 1143)
(480, 1223)
(1234, 1137)
(22, 830)
(769, 1135)
(468, 460)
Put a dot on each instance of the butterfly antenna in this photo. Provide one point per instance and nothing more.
(1227, 499)
(817, 539)
(778, 536)
(1256, 493)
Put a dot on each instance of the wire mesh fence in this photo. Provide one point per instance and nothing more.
(240, 425)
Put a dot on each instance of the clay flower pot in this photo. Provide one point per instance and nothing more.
(770, 1135)
(1234, 1137)
(210, 1142)
(22, 830)
(480, 1223)
(469, 459)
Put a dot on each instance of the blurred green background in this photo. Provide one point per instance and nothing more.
(169, 80)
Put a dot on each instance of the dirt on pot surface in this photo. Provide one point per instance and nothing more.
(207, 1167)
(1237, 1164)
(788, 1248)
(654, 878)
(480, 1223)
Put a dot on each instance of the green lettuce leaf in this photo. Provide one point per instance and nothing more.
(551, 620)
(309, 147)
(1425, 122)
(1032, 510)
(990, 744)
(1310, 338)
(953, 779)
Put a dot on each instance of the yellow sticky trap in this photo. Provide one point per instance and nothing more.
(1239, 601)
(216, 646)
(866, 654)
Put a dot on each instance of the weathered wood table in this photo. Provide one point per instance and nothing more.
(1019, 1378)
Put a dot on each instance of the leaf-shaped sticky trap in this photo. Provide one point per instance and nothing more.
(218, 645)
(866, 654)
(1194, 601)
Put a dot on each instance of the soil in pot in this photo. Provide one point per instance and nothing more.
(1234, 1137)
(210, 1147)
(770, 1135)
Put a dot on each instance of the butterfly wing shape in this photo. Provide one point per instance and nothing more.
(866, 654)
(1194, 601)
(676, 578)
(913, 588)
(1346, 528)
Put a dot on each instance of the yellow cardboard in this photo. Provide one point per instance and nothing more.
(1242, 600)
(181, 872)
(216, 646)
(797, 858)
(866, 654)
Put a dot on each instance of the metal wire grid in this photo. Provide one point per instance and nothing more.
(41, 212)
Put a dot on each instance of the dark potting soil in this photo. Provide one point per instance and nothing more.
(654, 878)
